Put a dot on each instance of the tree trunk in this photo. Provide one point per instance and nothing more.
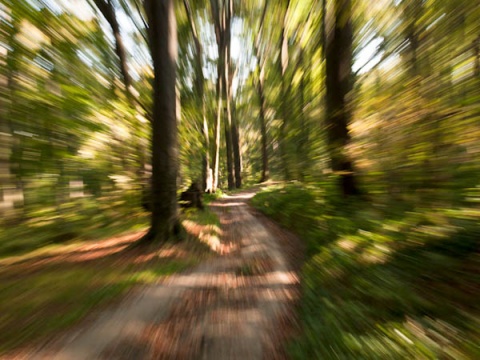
(222, 22)
(229, 147)
(163, 46)
(206, 156)
(216, 159)
(200, 89)
(219, 25)
(237, 155)
(227, 116)
(263, 129)
(338, 58)
(228, 134)
(227, 93)
(261, 98)
(283, 63)
(303, 140)
(108, 11)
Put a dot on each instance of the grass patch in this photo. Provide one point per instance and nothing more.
(382, 282)
(203, 229)
(209, 197)
(47, 291)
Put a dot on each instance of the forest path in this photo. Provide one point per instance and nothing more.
(238, 305)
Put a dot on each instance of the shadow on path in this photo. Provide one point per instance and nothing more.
(238, 305)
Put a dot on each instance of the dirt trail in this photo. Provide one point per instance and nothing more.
(235, 306)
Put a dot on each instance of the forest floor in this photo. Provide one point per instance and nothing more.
(238, 304)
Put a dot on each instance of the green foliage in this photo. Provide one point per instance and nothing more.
(381, 282)
(81, 219)
(209, 197)
(72, 149)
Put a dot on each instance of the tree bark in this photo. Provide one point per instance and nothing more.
(263, 127)
(261, 97)
(218, 21)
(227, 93)
(107, 10)
(216, 159)
(237, 155)
(163, 46)
(206, 156)
(229, 146)
(200, 89)
(303, 140)
(222, 23)
(338, 51)
(283, 63)
(234, 133)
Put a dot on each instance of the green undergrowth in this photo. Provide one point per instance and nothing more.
(76, 221)
(209, 197)
(394, 281)
(42, 294)
(203, 217)
(203, 230)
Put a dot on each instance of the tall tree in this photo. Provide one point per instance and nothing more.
(227, 89)
(237, 155)
(162, 33)
(222, 16)
(218, 22)
(108, 11)
(200, 91)
(284, 107)
(260, 81)
(338, 59)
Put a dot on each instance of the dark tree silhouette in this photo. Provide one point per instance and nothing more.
(162, 34)
(338, 57)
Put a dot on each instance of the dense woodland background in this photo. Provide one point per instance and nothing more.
(366, 113)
